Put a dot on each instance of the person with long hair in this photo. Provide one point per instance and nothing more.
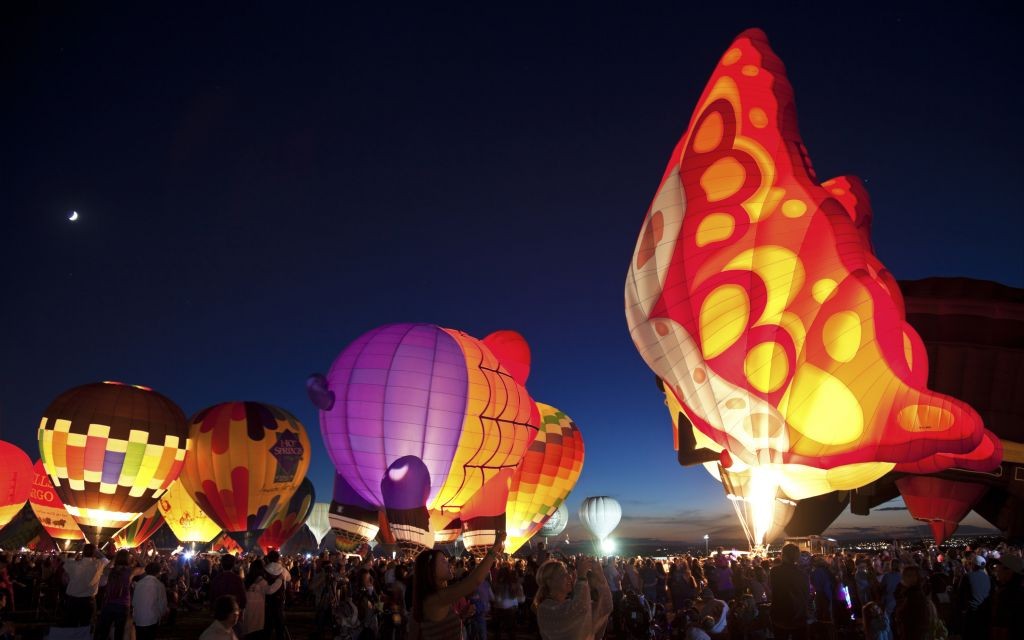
(565, 610)
(118, 596)
(258, 585)
(433, 616)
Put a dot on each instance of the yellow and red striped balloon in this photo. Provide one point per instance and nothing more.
(142, 529)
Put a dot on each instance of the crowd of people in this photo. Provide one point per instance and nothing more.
(928, 594)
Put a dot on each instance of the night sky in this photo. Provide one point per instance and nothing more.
(256, 188)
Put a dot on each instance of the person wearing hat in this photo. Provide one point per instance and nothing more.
(790, 593)
(717, 610)
(1007, 621)
(976, 605)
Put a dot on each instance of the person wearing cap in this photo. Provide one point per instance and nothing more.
(790, 593)
(974, 596)
(1007, 621)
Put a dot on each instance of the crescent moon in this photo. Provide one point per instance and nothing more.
(73, 216)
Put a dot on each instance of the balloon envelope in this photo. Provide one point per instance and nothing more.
(184, 517)
(317, 521)
(15, 481)
(247, 460)
(49, 509)
(544, 478)
(142, 529)
(600, 515)
(437, 394)
(557, 523)
(111, 450)
(405, 488)
(289, 518)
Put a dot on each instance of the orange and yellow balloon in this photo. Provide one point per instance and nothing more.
(136, 533)
(247, 460)
(545, 477)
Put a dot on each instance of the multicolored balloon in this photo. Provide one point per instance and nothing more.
(184, 517)
(15, 481)
(544, 478)
(111, 450)
(755, 295)
(353, 520)
(142, 529)
(49, 509)
(421, 390)
(247, 460)
(289, 518)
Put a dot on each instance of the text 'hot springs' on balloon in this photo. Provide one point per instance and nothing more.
(780, 338)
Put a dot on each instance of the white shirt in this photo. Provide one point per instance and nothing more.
(217, 631)
(149, 602)
(84, 576)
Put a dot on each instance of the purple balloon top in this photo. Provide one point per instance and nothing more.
(406, 484)
(399, 390)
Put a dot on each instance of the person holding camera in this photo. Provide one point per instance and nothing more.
(568, 608)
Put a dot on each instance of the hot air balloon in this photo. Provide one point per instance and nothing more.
(247, 460)
(111, 450)
(544, 478)
(140, 530)
(289, 518)
(25, 530)
(557, 523)
(600, 515)
(755, 296)
(437, 394)
(49, 509)
(184, 517)
(406, 487)
(317, 521)
(448, 532)
(15, 481)
(353, 520)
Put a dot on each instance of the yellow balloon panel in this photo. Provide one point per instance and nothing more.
(187, 521)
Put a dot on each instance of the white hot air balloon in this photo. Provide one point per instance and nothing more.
(600, 515)
(556, 523)
(317, 521)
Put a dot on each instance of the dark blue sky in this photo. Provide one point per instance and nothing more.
(258, 186)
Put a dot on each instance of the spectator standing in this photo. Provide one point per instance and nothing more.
(257, 588)
(83, 584)
(118, 597)
(225, 615)
(227, 582)
(976, 588)
(1008, 609)
(274, 622)
(790, 593)
(564, 608)
(149, 603)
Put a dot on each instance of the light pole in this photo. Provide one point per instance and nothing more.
(707, 551)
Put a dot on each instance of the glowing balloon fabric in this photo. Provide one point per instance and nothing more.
(136, 533)
(754, 294)
(437, 394)
(939, 502)
(289, 518)
(353, 520)
(111, 450)
(317, 521)
(405, 487)
(247, 460)
(49, 509)
(600, 515)
(15, 481)
(186, 520)
(557, 523)
(544, 478)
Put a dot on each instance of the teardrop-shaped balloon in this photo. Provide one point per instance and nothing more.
(49, 509)
(186, 520)
(247, 460)
(289, 518)
(600, 515)
(111, 450)
(317, 521)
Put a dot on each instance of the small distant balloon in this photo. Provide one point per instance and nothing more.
(73, 216)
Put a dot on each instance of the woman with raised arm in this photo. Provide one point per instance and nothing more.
(433, 617)
(565, 609)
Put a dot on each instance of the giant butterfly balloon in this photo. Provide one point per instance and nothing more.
(754, 294)
(15, 481)
(247, 460)
(48, 508)
(544, 478)
(289, 518)
(437, 394)
(184, 517)
(111, 450)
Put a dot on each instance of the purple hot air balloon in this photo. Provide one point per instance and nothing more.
(353, 520)
(406, 487)
(421, 390)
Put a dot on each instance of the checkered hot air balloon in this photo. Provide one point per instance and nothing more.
(247, 460)
(544, 478)
(111, 450)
